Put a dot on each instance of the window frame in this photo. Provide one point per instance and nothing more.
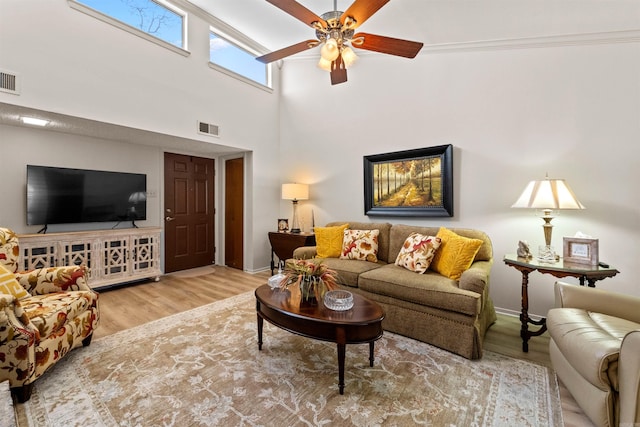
(75, 4)
(217, 31)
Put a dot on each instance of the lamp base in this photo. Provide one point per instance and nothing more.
(295, 224)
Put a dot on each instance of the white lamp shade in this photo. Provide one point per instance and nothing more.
(548, 194)
(295, 191)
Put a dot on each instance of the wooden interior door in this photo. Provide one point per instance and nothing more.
(188, 212)
(234, 213)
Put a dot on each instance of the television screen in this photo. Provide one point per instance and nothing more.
(62, 196)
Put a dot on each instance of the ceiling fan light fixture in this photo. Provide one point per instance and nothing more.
(329, 50)
(324, 64)
(349, 56)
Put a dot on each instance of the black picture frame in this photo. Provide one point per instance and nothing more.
(415, 183)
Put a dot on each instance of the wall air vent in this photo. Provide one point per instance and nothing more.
(208, 129)
(9, 82)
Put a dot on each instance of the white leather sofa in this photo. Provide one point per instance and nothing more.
(595, 350)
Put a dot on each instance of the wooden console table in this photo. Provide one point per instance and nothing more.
(111, 256)
(283, 244)
(586, 273)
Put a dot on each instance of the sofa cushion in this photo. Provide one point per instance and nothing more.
(329, 240)
(50, 312)
(429, 289)
(360, 245)
(9, 284)
(456, 253)
(417, 252)
(348, 270)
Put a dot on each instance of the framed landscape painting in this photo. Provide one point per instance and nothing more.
(417, 183)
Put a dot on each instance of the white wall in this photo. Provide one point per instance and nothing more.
(74, 64)
(39, 147)
(512, 115)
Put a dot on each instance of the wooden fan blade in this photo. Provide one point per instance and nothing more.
(387, 45)
(298, 11)
(361, 10)
(287, 51)
(338, 71)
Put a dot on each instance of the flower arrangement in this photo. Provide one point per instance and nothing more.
(313, 277)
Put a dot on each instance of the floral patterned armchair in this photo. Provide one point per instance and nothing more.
(44, 313)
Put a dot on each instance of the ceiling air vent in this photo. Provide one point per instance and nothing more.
(9, 82)
(208, 129)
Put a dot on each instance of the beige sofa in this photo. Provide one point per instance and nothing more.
(451, 314)
(595, 350)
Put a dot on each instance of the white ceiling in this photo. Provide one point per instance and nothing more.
(433, 22)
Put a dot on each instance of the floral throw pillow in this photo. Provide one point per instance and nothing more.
(417, 252)
(360, 244)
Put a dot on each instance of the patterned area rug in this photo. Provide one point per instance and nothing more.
(203, 368)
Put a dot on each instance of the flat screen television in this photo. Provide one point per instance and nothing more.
(64, 196)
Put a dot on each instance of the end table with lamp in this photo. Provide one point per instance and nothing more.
(548, 195)
(584, 272)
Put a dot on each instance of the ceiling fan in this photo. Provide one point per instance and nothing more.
(335, 31)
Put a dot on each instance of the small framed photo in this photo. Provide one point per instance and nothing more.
(283, 225)
(580, 251)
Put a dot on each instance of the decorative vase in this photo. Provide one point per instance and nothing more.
(308, 286)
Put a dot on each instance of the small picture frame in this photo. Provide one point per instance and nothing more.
(580, 250)
(283, 225)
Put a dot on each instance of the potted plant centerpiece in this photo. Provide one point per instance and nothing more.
(313, 277)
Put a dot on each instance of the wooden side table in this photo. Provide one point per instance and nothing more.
(586, 273)
(283, 244)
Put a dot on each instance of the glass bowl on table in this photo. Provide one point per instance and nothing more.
(338, 300)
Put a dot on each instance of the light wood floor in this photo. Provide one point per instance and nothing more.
(133, 305)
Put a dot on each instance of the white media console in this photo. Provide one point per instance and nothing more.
(111, 256)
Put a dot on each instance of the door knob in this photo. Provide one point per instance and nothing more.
(169, 218)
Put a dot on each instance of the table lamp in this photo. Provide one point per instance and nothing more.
(548, 195)
(295, 192)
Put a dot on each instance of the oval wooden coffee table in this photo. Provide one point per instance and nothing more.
(283, 308)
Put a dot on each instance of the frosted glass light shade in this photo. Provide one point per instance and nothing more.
(329, 50)
(295, 191)
(324, 64)
(348, 56)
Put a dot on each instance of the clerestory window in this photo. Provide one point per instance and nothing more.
(234, 56)
(154, 17)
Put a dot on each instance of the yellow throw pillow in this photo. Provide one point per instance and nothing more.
(9, 284)
(455, 255)
(329, 240)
